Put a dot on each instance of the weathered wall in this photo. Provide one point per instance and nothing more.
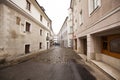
(15, 37)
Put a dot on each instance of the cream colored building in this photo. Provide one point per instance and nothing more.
(24, 28)
(63, 34)
(96, 26)
(70, 29)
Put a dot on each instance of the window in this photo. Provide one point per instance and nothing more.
(81, 17)
(48, 24)
(47, 37)
(41, 18)
(18, 20)
(28, 5)
(104, 43)
(28, 27)
(71, 29)
(40, 45)
(41, 32)
(115, 45)
(111, 45)
(93, 4)
(27, 48)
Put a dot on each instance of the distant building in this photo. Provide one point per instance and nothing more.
(65, 35)
(96, 26)
(55, 39)
(70, 29)
(24, 28)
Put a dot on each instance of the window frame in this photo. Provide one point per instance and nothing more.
(93, 5)
(40, 45)
(41, 18)
(108, 51)
(41, 31)
(27, 28)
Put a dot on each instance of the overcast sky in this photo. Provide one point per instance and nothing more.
(57, 10)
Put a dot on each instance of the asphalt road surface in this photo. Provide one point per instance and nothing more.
(55, 64)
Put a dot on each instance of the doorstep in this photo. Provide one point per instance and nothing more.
(107, 69)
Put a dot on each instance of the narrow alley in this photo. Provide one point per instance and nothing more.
(54, 64)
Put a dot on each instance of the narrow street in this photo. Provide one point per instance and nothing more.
(55, 64)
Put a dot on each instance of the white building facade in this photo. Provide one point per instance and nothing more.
(70, 29)
(24, 28)
(65, 36)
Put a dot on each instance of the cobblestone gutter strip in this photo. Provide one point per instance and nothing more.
(23, 58)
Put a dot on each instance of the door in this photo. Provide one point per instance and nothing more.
(75, 44)
(85, 46)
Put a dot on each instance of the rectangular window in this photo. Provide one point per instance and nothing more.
(93, 4)
(47, 37)
(40, 45)
(81, 17)
(104, 43)
(115, 45)
(41, 32)
(18, 20)
(71, 29)
(28, 27)
(41, 18)
(27, 48)
(48, 24)
(28, 5)
(111, 45)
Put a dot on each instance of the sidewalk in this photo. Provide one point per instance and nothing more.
(23, 58)
(105, 68)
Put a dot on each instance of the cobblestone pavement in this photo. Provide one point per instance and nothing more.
(55, 64)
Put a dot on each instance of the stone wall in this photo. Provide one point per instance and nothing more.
(14, 38)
